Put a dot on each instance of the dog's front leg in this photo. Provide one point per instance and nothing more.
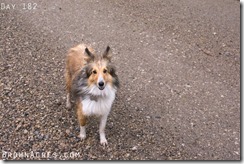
(102, 126)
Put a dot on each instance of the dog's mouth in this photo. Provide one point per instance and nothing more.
(101, 87)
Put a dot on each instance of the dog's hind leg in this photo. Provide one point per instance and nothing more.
(81, 119)
(68, 88)
(68, 102)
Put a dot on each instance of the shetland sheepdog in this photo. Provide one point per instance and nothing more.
(92, 80)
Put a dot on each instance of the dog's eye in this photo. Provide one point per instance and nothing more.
(94, 72)
(105, 71)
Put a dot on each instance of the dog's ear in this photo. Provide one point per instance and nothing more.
(88, 70)
(89, 55)
(112, 72)
(107, 54)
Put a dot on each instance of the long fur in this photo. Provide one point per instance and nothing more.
(80, 88)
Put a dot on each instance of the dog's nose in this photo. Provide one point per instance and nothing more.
(101, 84)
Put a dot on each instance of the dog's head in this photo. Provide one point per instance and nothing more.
(100, 71)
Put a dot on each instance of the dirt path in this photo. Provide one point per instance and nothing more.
(178, 63)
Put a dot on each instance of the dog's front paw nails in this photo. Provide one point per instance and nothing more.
(104, 142)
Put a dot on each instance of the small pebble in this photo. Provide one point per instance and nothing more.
(67, 131)
(134, 148)
(25, 131)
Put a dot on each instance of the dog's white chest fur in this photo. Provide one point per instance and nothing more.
(101, 106)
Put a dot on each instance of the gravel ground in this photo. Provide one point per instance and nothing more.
(178, 64)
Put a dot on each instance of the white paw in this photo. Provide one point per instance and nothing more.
(82, 132)
(82, 136)
(104, 142)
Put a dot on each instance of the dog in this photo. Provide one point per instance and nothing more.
(92, 80)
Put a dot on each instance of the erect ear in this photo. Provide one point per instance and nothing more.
(112, 72)
(88, 70)
(107, 54)
(89, 56)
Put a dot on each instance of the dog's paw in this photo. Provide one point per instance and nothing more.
(104, 142)
(82, 136)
